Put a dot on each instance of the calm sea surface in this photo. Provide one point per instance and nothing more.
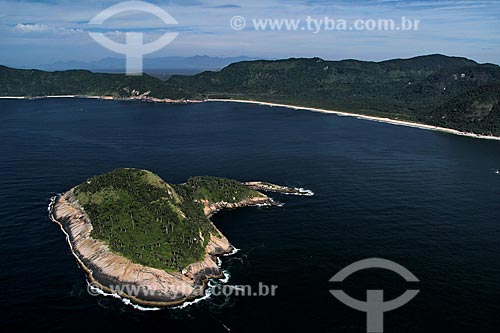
(429, 201)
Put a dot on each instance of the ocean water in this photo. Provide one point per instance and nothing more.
(429, 201)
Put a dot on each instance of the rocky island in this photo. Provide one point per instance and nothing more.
(145, 240)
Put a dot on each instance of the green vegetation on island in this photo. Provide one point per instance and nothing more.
(151, 222)
(216, 189)
(451, 92)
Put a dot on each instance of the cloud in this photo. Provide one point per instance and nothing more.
(461, 27)
(31, 27)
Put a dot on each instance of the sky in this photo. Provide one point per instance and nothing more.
(37, 32)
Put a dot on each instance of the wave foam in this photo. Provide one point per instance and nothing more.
(226, 278)
(126, 301)
(208, 294)
(234, 251)
(301, 191)
(267, 204)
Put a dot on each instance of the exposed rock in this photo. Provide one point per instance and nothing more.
(268, 187)
(212, 208)
(114, 273)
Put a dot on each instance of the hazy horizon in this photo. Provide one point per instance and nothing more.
(38, 32)
(94, 63)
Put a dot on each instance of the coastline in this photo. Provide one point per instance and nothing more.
(288, 106)
(363, 117)
(140, 98)
(105, 270)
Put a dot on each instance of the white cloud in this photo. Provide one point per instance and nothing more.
(28, 28)
(31, 27)
(461, 27)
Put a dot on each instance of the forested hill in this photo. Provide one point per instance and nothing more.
(438, 90)
(435, 89)
(31, 82)
(151, 222)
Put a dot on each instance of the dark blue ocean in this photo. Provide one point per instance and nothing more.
(429, 201)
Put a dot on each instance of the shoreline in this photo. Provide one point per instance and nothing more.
(288, 106)
(91, 280)
(363, 117)
(188, 285)
(140, 98)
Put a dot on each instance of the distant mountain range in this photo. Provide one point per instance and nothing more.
(151, 65)
(438, 90)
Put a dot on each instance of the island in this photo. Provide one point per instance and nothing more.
(147, 241)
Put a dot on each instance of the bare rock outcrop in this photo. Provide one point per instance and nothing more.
(141, 284)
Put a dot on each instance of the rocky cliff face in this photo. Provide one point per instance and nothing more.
(211, 208)
(116, 274)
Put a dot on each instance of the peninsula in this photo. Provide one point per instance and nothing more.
(148, 241)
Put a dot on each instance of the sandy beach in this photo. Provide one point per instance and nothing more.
(296, 107)
(365, 117)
